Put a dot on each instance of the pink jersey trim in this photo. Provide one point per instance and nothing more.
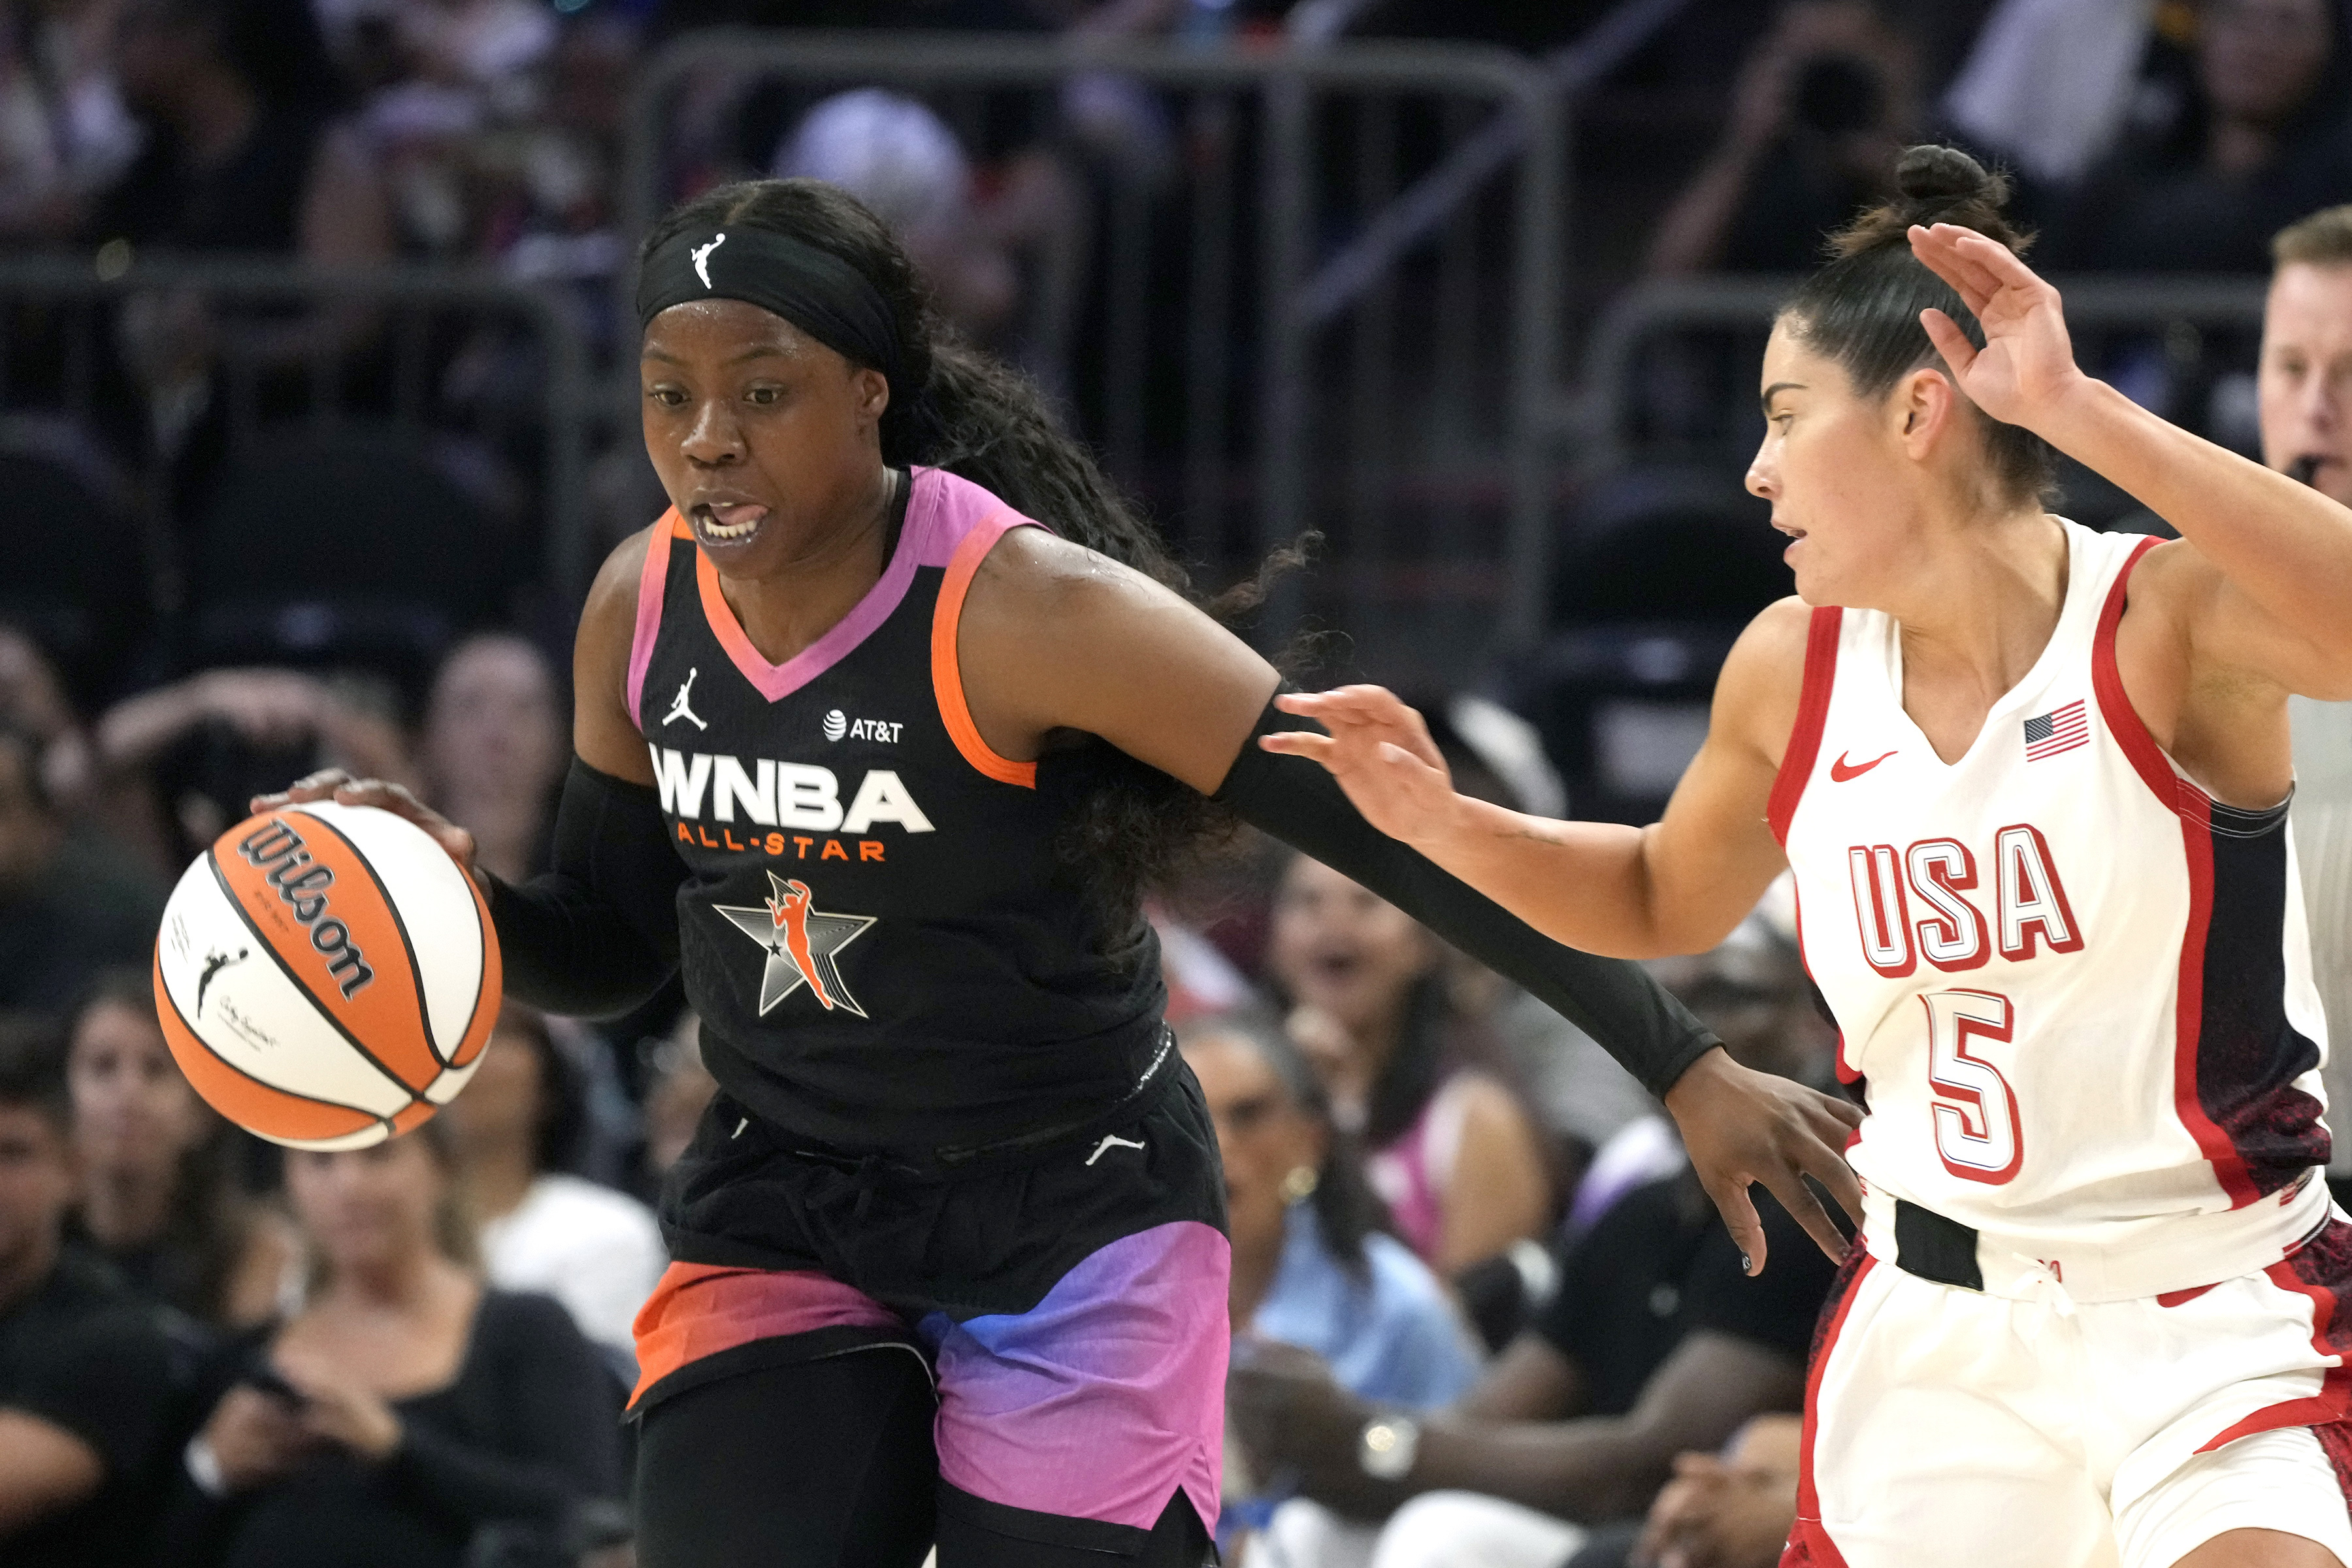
(1812, 715)
(651, 580)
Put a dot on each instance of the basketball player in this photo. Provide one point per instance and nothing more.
(2033, 784)
(918, 745)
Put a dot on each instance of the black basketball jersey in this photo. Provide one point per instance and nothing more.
(885, 951)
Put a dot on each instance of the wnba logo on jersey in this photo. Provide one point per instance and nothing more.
(801, 943)
(1912, 903)
(780, 795)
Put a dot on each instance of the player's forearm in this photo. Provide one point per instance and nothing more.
(1586, 884)
(1599, 1469)
(2284, 545)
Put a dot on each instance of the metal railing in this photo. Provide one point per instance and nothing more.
(1243, 398)
(2178, 317)
(278, 344)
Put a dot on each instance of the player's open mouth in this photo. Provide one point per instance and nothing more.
(729, 522)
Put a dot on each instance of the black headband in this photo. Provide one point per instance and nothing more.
(813, 289)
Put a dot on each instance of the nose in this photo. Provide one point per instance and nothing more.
(1760, 480)
(714, 438)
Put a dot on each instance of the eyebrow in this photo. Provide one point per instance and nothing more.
(1776, 389)
(758, 351)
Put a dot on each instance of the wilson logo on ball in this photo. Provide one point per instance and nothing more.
(278, 851)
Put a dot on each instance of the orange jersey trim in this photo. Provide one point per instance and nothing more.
(947, 670)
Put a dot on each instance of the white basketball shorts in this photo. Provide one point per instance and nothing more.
(1948, 1428)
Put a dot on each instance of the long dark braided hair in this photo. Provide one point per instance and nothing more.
(979, 418)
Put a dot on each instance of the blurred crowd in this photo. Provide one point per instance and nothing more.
(1455, 1221)
(1444, 1197)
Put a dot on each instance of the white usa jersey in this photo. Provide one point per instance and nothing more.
(2075, 990)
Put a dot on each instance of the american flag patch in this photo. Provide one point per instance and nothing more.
(2060, 730)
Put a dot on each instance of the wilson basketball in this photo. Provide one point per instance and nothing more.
(325, 976)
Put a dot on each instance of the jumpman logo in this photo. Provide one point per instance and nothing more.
(678, 708)
(801, 941)
(214, 961)
(1111, 1141)
(702, 257)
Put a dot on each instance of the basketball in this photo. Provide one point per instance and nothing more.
(325, 976)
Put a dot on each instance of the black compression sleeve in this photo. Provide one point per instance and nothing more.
(598, 934)
(1616, 1002)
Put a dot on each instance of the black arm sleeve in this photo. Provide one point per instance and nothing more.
(598, 934)
(1616, 1002)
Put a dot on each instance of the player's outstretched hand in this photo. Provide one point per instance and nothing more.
(333, 784)
(1742, 1126)
(1381, 753)
(2027, 364)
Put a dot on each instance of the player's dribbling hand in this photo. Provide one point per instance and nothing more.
(1742, 1126)
(1381, 753)
(2027, 364)
(333, 784)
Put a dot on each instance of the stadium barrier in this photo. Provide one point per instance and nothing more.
(1246, 332)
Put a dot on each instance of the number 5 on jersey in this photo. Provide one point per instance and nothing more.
(1976, 1130)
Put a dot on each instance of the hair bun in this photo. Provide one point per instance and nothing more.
(1936, 180)
(1933, 185)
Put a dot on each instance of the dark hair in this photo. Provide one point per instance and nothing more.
(561, 1123)
(32, 1069)
(209, 1220)
(1862, 308)
(1345, 1205)
(979, 418)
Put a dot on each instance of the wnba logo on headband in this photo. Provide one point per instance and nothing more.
(702, 257)
(811, 288)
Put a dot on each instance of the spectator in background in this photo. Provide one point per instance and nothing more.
(180, 763)
(85, 1371)
(65, 134)
(33, 699)
(244, 152)
(1729, 1510)
(69, 905)
(2262, 135)
(516, 1129)
(1656, 1343)
(159, 1197)
(1310, 1267)
(494, 749)
(894, 154)
(1453, 1152)
(406, 1416)
(2050, 83)
(1821, 111)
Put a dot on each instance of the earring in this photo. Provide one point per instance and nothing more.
(1300, 1184)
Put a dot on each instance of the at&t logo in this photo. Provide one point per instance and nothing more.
(838, 724)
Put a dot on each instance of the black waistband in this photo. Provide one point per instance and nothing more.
(1934, 1247)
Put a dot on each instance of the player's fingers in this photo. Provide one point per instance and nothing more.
(1827, 1166)
(1301, 743)
(1806, 1210)
(1949, 341)
(1738, 1212)
(1965, 259)
(311, 786)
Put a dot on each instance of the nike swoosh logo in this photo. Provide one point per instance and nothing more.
(1840, 771)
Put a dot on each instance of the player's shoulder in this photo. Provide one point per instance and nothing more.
(1763, 677)
(613, 596)
(1034, 572)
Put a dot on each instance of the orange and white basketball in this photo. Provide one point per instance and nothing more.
(325, 976)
